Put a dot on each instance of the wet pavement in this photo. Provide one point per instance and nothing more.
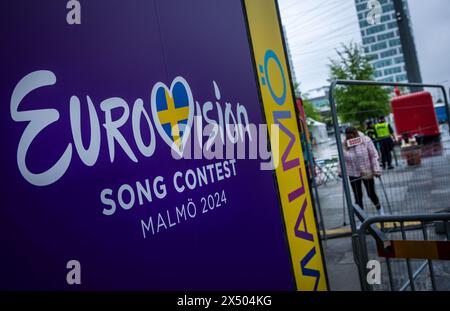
(341, 268)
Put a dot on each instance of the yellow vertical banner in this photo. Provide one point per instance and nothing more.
(278, 102)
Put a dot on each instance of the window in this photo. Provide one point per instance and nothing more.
(383, 63)
(391, 71)
(401, 78)
(394, 42)
(379, 46)
(399, 60)
(369, 40)
(386, 36)
(389, 53)
(392, 25)
(375, 29)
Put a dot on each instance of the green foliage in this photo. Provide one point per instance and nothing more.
(310, 110)
(296, 88)
(356, 104)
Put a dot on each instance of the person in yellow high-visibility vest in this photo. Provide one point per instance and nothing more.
(384, 134)
(370, 131)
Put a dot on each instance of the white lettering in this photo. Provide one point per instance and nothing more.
(112, 127)
(38, 120)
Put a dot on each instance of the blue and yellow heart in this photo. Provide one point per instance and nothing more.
(173, 111)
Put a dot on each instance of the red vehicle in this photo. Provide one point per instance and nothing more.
(414, 115)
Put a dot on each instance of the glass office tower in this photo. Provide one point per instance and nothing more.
(389, 41)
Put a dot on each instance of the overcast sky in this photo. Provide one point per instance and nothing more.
(315, 28)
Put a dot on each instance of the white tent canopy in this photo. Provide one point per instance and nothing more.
(318, 131)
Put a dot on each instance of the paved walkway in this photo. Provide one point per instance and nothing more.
(342, 271)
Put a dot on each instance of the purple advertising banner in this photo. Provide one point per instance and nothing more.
(94, 100)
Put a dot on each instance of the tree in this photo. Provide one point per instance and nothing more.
(310, 110)
(296, 88)
(356, 104)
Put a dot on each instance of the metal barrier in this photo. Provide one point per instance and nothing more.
(416, 189)
(406, 251)
(411, 193)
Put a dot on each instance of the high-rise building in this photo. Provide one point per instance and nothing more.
(388, 40)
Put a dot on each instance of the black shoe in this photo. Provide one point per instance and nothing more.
(390, 167)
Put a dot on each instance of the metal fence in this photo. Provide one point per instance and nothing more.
(413, 251)
(415, 197)
(416, 189)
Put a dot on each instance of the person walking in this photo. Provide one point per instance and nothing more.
(372, 134)
(362, 163)
(370, 131)
(384, 134)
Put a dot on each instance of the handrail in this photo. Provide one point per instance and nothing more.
(403, 218)
(373, 229)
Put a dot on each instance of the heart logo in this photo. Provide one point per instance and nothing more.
(173, 112)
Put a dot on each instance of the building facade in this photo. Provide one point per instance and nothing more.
(388, 40)
(319, 99)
